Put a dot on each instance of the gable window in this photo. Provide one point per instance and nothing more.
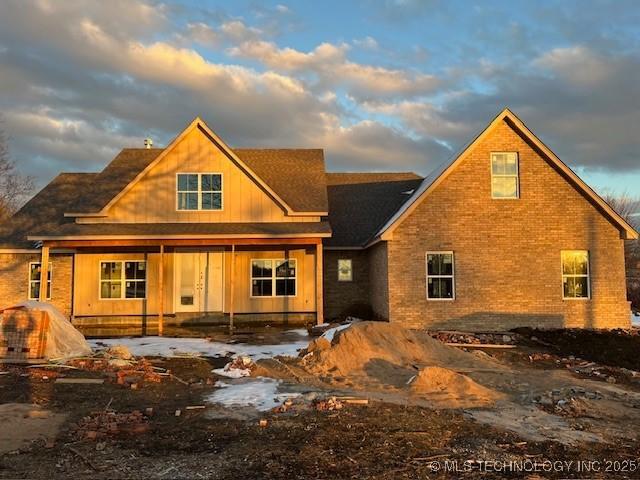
(345, 270)
(504, 175)
(35, 273)
(123, 279)
(199, 191)
(440, 276)
(273, 278)
(575, 274)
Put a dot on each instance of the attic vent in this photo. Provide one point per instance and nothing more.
(148, 143)
(408, 192)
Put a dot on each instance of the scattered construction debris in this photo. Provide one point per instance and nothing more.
(239, 367)
(106, 423)
(467, 338)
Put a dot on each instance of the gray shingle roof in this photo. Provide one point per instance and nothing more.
(296, 175)
(46, 209)
(184, 229)
(360, 203)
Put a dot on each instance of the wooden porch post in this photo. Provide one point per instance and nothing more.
(319, 280)
(232, 281)
(44, 273)
(161, 291)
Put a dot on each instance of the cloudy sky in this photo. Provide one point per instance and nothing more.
(379, 84)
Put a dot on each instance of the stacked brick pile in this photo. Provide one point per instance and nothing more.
(23, 334)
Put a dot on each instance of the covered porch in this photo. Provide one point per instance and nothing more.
(153, 282)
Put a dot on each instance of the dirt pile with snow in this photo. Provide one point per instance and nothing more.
(383, 356)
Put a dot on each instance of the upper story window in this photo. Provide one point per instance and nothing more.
(440, 276)
(575, 274)
(199, 191)
(345, 270)
(504, 175)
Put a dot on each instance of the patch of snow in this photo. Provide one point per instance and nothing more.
(329, 334)
(229, 372)
(260, 393)
(635, 320)
(170, 347)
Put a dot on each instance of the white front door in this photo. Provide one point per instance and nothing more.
(198, 281)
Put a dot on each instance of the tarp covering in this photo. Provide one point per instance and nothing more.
(63, 339)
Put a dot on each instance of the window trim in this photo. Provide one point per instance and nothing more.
(123, 280)
(517, 175)
(199, 192)
(452, 276)
(350, 260)
(49, 281)
(273, 278)
(588, 275)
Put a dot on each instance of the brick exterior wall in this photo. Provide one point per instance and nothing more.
(379, 280)
(507, 252)
(346, 298)
(14, 279)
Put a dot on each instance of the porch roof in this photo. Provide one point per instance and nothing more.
(183, 230)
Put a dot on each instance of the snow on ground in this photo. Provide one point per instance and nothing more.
(260, 393)
(635, 320)
(329, 334)
(170, 346)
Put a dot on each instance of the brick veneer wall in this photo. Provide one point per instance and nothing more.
(14, 279)
(507, 252)
(345, 298)
(379, 280)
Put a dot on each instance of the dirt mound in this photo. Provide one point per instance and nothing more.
(441, 385)
(380, 356)
(368, 346)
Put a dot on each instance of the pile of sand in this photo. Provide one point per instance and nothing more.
(451, 389)
(386, 357)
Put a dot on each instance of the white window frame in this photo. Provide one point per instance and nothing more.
(273, 277)
(49, 279)
(510, 175)
(123, 280)
(350, 279)
(452, 276)
(576, 275)
(200, 192)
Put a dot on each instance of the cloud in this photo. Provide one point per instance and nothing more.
(368, 43)
(80, 80)
(329, 64)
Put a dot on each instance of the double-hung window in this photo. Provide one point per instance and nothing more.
(123, 279)
(199, 191)
(440, 276)
(504, 175)
(273, 278)
(35, 274)
(575, 274)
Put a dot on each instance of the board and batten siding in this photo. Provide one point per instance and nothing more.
(87, 300)
(304, 301)
(153, 198)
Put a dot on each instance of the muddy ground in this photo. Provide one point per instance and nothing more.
(378, 440)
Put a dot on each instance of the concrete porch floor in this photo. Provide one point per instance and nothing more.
(187, 324)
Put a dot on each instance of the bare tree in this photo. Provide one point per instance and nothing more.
(629, 208)
(15, 187)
